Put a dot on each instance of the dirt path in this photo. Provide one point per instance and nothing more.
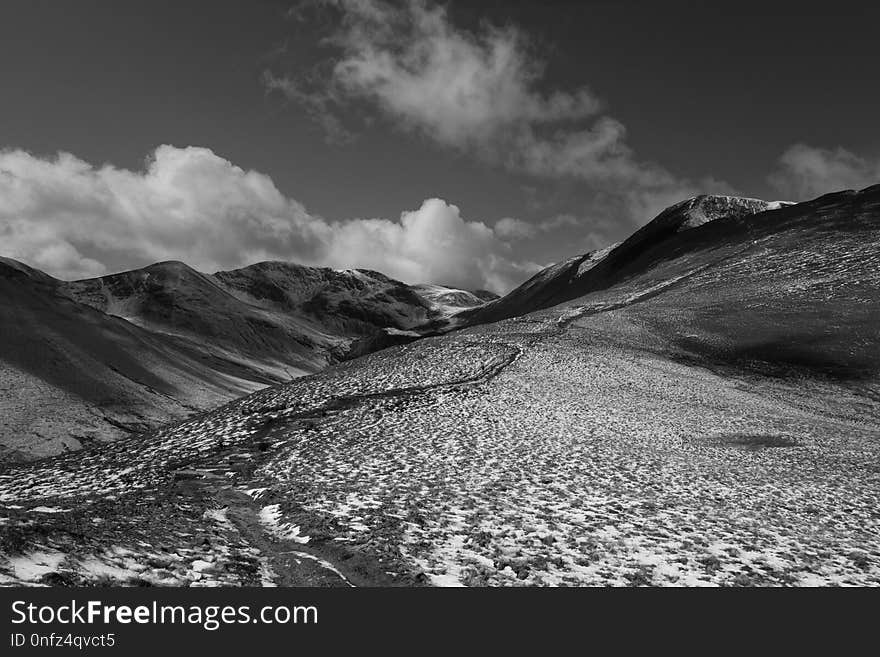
(290, 563)
(326, 563)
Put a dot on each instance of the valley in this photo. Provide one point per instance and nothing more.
(90, 361)
(702, 412)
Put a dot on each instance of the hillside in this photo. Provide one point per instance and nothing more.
(174, 299)
(603, 268)
(96, 359)
(706, 413)
(450, 300)
(71, 375)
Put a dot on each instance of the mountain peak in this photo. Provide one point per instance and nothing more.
(169, 266)
(704, 208)
(601, 268)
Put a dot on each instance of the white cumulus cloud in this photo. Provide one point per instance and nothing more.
(73, 219)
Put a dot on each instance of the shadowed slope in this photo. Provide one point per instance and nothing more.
(174, 299)
(351, 302)
(71, 374)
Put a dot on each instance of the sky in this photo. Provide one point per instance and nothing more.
(466, 144)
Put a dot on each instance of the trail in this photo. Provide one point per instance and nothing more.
(489, 372)
(285, 561)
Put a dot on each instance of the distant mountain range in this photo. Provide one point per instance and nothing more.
(95, 359)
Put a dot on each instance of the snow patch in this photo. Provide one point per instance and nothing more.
(270, 517)
(217, 515)
(394, 331)
(32, 567)
(255, 493)
(325, 564)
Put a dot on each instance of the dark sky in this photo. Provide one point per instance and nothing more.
(717, 89)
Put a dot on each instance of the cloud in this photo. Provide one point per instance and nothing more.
(476, 91)
(461, 89)
(806, 172)
(509, 228)
(433, 243)
(73, 219)
(559, 221)
(316, 106)
(469, 91)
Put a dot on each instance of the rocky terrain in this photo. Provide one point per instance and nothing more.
(698, 406)
(92, 360)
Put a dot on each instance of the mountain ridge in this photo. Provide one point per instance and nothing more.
(95, 359)
(580, 274)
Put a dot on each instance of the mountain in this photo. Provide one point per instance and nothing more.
(254, 315)
(449, 300)
(72, 375)
(726, 240)
(705, 413)
(94, 359)
(350, 302)
(602, 268)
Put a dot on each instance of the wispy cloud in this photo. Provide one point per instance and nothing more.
(317, 106)
(510, 228)
(478, 92)
(805, 172)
